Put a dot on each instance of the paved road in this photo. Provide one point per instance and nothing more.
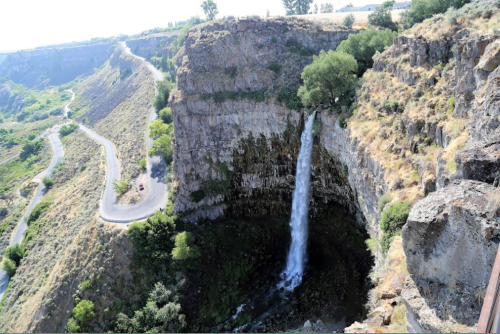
(66, 107)
(156, 183)
(17, 237)
(9, 159)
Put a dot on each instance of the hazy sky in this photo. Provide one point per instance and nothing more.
(26, 24)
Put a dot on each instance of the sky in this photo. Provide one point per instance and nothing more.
(26, 24)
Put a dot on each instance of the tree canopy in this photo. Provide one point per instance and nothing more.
(297, 7)
(329, 78)
(363, 45)
(210, 9)
(424, 9)
(381, 17)
(326, 8)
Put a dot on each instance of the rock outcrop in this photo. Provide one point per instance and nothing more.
(41, 68)
(152, 45)
(235, 138)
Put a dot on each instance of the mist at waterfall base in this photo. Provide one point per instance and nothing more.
(292, 275)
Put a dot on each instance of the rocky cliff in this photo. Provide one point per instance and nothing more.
(425, 123)
(236, 135)
(152, 45)
(53, 67)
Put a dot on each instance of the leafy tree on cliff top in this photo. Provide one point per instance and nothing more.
(381, 17)
(326, 8)
(363, 45)
(210, 9)
(330, 78)
(424, 9)
(297, 7)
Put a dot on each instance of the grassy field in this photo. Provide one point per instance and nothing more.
(361, 18)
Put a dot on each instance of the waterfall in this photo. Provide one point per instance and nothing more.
(292, 275)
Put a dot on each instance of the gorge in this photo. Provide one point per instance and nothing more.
(380, 214)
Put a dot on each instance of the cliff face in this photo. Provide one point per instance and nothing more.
(234, 140)
(425, 124)
(152, 45)
(41, 68)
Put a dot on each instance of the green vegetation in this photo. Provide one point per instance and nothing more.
(34, 222)
(258, 96)
(48, 182)
(210, 9)
(383, 201)
(348, 21)
(162, 94)
(86, 285)
(381, 17)
(166, 115)
(142, 163)
(158, 128)
(297, 7)
(218, 185)
(67, 129)
(9, 267)
(393, 219)
(83, 313)
(363, 45)
(329, 79)
(31, 147)
(120, 187)
(424, 9)
(15, 253)
(163, 146)
(326, 8)
(295, 46)
(290, 99)
(184, 247)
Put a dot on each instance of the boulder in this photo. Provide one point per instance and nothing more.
(358, 328)
(450, 235)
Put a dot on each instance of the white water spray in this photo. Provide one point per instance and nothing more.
(292, 275)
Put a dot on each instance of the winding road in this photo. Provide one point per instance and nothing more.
(17, 237)
(109, 209)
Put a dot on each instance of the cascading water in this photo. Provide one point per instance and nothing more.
(292, 275)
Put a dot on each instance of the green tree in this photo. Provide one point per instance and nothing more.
(363, 45)
(163, 146)
(84, 312)
(329, 78)
(162, 95)
(381, 17)
(48, 182)
(297, 7)
(30, 147)
(67, 129)
(184, 247)
(157, 128)
(424, 9)
(9, 266)
(348, 21)
(142, 163)
(326, 8)
(120, 187)
(392, 220)
(210, 9)
(166, 115)
(72, 326)
(15, 253)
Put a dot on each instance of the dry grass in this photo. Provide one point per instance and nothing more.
(360, 18)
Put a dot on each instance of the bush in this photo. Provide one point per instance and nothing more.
(9, 267)
(67, 129)
(84, 312)
(85, 285)
(166, 115)
(363, 46)
(15, 253)
(184, 248)
(289, 97)
(329, 78)
(275, 67)
(37, 211)
(31, 147)
(163, 146)
(162, 95)
(142, 163)
(348, 21)
(72, 326)
(382, 201)
(48, 182)
(120, 187)
(381, 17)
(393, 219)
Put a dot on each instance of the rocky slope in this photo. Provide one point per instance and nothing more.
(41, 68)
(116, 103)
(152, 45)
